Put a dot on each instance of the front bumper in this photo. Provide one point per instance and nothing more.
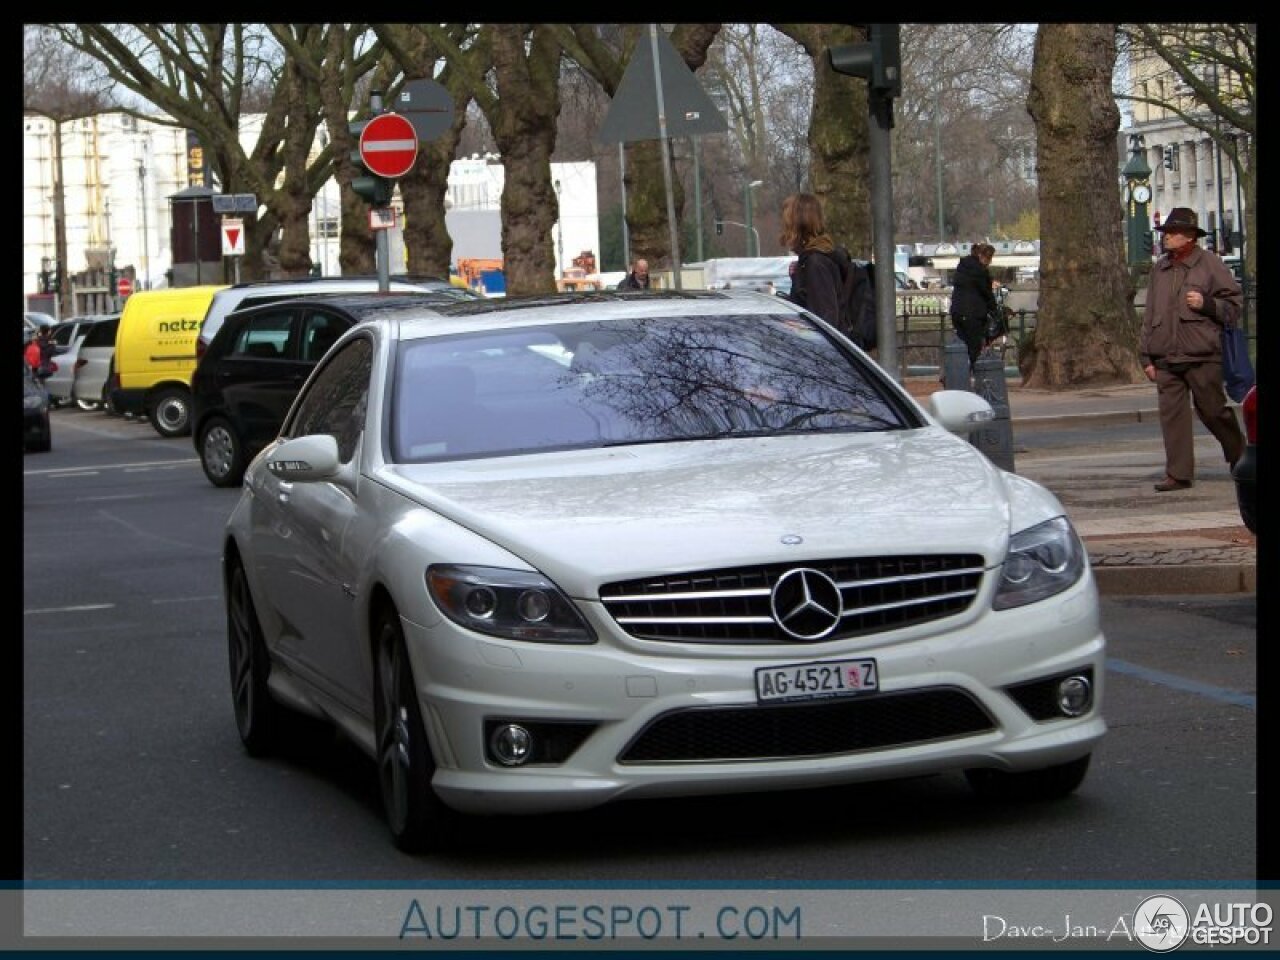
(961, 668)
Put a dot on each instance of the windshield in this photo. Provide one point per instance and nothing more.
(626, 381)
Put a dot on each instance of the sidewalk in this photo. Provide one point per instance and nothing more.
(1139, 541)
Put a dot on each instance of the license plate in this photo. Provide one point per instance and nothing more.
(816, 681)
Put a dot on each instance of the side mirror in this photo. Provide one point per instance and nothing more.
(312, 457)
(960, 411)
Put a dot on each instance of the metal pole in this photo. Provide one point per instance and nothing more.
(750, 229)
(559, 233)
(1217, 149)
(937, 153)
(666, 158)
(195, 235)
(697, 191)
(622, 178)
(146, 244)
(382, 243)
(880, 110)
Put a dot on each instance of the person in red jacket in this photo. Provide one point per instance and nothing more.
(39, 352)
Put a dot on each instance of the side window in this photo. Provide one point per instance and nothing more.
(320, 331)
(264, 336)
(62, 334)
(334, 402)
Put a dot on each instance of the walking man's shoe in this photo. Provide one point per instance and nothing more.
(1169, 483)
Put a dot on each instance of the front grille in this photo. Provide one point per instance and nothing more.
(733, 605)
(783, 731)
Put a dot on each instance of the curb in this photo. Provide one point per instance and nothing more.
(1087, 419)
(1164, 579)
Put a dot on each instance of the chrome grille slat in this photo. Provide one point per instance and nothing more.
(734, 605)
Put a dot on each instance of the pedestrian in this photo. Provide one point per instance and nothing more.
(1191, 294)
(815, 278)
(973, 298)
(638, 278)
(39, 352)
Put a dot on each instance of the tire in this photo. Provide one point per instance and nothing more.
(257, 714)
(170, 412)
(417, 818)
(1051, 783)
(84, 404)
(221, 453)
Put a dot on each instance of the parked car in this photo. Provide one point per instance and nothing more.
(544, 553)
(245, 295)
(93, 364)
(1245, 472)
(156, 356)
(254, 367)
(37, 435)
(68, 336)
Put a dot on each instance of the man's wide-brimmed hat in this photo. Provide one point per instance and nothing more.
(1182, 218)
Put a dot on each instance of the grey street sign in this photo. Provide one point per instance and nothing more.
(428, 106)
(234, 203)
(633, 114)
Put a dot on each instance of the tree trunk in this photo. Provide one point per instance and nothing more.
(523, 120)
(1087, 329)
(839, 166)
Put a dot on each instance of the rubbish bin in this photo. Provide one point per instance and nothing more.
(995, 438)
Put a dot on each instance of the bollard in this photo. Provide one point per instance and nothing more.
(955, 365)
(995, 439)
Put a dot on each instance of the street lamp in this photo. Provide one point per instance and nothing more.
(753, 238)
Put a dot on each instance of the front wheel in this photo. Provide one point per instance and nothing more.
(405, 765)
(170, 412)
(257, 714)
(221, 454)
(1051, 783)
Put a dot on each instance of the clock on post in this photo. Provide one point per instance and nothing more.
(1137, 194)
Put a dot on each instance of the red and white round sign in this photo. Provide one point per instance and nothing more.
(388, 145)
(124, 286)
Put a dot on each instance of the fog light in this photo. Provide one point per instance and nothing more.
(512, 744)
(1075, 695)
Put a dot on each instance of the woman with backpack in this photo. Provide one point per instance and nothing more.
(817, 282)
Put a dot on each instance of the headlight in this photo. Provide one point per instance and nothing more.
(1042, 561)
(506, 603)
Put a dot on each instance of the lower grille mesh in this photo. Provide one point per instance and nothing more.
(873, 722)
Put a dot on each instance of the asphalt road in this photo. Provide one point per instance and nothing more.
(133, 773)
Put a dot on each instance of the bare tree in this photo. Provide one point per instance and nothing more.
(198, 76)
(57, 85)
(1216, 63)
(1087, 330)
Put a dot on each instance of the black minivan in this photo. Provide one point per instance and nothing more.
(255, 365)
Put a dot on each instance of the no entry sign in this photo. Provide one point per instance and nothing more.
(388, 145)
(124, 286)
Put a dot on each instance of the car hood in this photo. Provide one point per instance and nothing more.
(589, 517)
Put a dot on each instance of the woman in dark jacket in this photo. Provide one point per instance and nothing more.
(972, 297)
(815, 283)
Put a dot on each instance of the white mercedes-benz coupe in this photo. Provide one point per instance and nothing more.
(543, 553)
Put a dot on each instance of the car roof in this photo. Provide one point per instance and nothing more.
(359, 305)
(345, 280)
(439, 318)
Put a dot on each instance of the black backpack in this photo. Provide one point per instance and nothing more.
(857, 299)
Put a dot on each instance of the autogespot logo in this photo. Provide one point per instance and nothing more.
(1161, 923)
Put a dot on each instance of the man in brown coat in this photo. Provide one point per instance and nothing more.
(1191, 294)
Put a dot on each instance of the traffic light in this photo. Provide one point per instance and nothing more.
(1168, 158)
(44, 281)
(368, 186)
(719, 228)
(1212, 239)
(878, 61)
(1148, 244)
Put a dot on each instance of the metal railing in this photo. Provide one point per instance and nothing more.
(923, 333)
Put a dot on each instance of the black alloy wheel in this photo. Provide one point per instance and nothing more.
(257, 714)
(416, 816)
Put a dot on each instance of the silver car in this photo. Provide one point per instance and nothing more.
(545, 553)
(93, 364)
(67, 337)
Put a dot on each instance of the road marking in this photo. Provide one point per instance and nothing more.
(78, 609)
(1220, 694)
(66, 471)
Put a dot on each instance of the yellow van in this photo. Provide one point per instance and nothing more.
(156, 355)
